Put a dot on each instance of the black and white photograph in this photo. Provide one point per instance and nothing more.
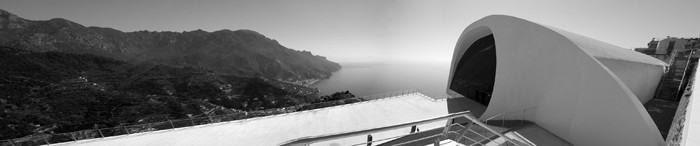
(349, 72)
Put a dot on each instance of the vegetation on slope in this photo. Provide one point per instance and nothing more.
(54, 92)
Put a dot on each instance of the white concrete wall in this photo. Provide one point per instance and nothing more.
(641, 73)
(575, 96)
(691, 131)
(641, 79)
(662, 47)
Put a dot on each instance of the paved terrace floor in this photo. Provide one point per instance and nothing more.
(274, 130)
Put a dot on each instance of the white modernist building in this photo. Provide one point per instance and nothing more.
(585, 91)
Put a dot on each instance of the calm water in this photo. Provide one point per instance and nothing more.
(373, 78)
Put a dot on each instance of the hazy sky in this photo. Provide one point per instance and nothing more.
(374, 30)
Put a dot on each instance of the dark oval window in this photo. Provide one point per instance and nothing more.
(476, 71)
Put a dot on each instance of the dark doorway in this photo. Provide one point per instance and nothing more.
(476, 71)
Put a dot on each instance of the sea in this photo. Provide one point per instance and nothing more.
(367, 79)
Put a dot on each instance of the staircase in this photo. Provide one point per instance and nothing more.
(671, 82)
(473, 132)
(465, 134)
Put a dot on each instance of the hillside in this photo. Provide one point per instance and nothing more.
(60, 76)
(53, 92)
(241, 52)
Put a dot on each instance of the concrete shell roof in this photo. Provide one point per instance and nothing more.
(585, 91)
(605, 50)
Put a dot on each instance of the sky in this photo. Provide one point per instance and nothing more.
(375, 30)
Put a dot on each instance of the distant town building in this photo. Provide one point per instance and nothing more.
(662, 48)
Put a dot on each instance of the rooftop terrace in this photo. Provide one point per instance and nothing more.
(273, 130)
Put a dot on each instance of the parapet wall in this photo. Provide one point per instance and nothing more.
(687, 116)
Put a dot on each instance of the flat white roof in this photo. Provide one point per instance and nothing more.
(274, 130)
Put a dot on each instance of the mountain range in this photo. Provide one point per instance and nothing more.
(241, 52)
(60, 76)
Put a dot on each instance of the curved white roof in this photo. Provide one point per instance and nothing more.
(605, 50)
(583, 90)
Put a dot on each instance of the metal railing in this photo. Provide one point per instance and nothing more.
(54, 138)
(389, 94)
(305, 141)
(522, 117)
(670, 60)
(672, 57)
(683, 77)
(515, 116)
(315, 139)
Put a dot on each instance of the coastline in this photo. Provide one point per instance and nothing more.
(310, 82)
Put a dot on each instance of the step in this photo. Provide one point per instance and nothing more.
(671, 82)
(673, 76)
(537, 135)
(667, 97)
(672, 97)
(672, 88)
(674, 91)
(668, 92)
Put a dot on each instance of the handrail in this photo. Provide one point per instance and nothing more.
(685, 70)
(476, 121)
(415, 140)
(671, 59)
(494, 116)
(504, 113)
(313, 139)
(525, 140)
